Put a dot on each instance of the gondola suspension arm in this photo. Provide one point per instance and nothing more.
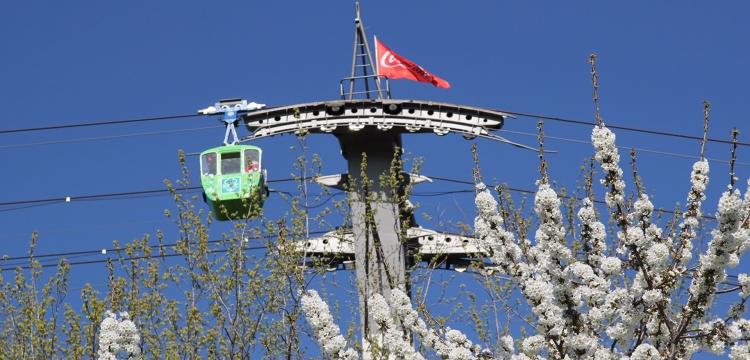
(230, 110)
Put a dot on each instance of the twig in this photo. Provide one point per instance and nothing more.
(595, 83)
(706, 118)
(732, 177)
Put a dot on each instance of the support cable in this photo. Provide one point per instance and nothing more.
(105, 196)
(624, 147)
(60, 255)
(99, 123)
(516, 113)
(418, 194)
(625, 128)
(24, 204)
(100, 261)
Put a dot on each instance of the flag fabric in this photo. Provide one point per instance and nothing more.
(395, 66)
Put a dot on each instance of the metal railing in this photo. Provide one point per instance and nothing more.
(371, 90)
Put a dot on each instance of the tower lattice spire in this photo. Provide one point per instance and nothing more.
(364, 81)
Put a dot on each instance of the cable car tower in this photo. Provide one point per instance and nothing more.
(369, 125)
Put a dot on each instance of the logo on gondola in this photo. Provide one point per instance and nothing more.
(230, 185)
(388, 60)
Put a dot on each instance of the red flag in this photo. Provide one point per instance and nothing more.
(395, 66)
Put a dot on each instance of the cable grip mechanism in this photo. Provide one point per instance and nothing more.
(230, 109)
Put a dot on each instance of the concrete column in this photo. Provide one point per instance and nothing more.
(380, 256)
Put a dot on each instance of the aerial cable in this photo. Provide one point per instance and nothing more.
(106, 251)
(100, 123)
(28, 266)
(531, 192)
(21, 207)
(112, 137)
(625, 128)
(441, 193)
(100, 261)
(114, 195)
(89, 197)
(162, 132)
(108, 137)
(219, 251)
(625, 147)
(516, 113)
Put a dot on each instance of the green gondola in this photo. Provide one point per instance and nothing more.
(233, 180)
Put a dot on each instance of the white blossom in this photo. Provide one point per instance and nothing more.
(593, 234)
(740, 352)
(645, 352)
(392, 336)
(533, 344)
(590, 304)
(652, 297)
(611, 266)
(538, 290)
(583, 343)
(608, 156)
(488, 226)
(327, 333)
(657, 256)
(738, 329)
(109, 336)
(130, 339)
(506, 347)
(605, 354)
(713, 336)
(456, 344)
(699, 180)
(691, 218)
(643, 207)
(118, 336)
(726, 239)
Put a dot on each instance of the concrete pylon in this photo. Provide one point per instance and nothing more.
(380, 253)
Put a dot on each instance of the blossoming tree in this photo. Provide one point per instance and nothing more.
(617, 297)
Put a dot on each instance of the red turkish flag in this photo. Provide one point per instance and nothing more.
(395, 66)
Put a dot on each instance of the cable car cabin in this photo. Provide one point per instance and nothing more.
(233, 181)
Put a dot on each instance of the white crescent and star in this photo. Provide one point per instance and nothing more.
(388, 60)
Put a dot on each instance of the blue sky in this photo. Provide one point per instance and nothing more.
(77, 61)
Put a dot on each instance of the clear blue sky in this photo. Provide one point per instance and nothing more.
(76, 61)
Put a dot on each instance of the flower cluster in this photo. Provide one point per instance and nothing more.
(552, 265)
(723, 251)
(608, 156)
(327, 332)
(392, 336)
(455, 346)
(488, 226)
(691, 218)
(645, 352)
(737, 331)
(109, 335)
(744, 281)
(593, 235)
(118, 335)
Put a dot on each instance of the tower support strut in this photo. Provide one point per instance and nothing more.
(379, 252)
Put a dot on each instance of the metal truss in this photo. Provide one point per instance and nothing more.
(347, 117)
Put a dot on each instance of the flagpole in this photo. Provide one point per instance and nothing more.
(377, 65)
(375, 39)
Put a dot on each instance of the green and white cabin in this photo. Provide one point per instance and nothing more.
(233, 180)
